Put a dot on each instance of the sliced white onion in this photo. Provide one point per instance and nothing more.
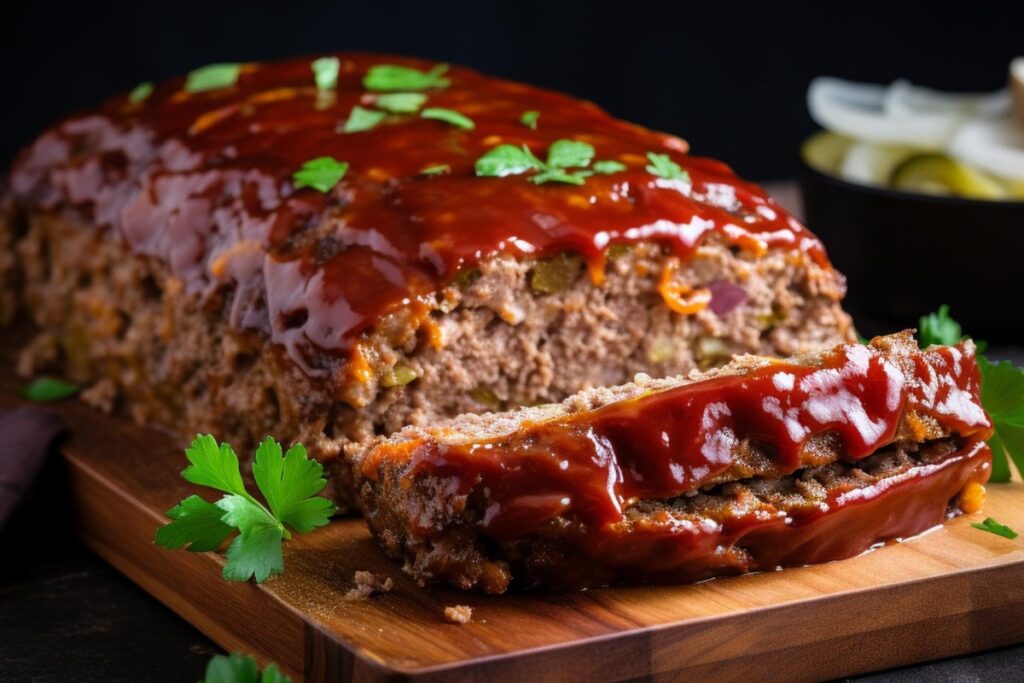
(872, 164)
(993, 146)
(857, 110)
(903, 98)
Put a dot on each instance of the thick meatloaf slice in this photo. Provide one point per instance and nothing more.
(171, 262)
(676, 479)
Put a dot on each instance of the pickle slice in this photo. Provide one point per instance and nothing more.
(939, 174)
(824, 151)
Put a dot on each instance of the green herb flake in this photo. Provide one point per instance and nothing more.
(529, 119)
(569, 153)
(993, 527)
(212, 77)
(389, 78)
(360, 120)
(320, 174)
(141, 92)
(238, 668)
(401, 102)
(607, 167)
(938, 328)
(559, 175)
(46, 389)
(505, 160)
(325, 72)
(448, 116)
(662, 166)
(439, 169)
(289, 483)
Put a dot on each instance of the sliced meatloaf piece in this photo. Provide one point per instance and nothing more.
(725, 471)
(172, 252)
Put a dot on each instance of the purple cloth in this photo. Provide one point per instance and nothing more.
(26, 436)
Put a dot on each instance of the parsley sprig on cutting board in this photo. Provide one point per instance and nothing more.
(1002, 394)
(289, 483)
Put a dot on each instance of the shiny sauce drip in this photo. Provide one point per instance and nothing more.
(203, 182)
(589, 466)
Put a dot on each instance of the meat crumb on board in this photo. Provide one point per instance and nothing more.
(368, 583)
(458, 614)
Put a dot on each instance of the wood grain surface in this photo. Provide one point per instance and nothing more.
(953, 590)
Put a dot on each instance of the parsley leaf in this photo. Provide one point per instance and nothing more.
(529, 119)
(506, 160)
(289, 483)
(448, 116)
(401, 102)
(1002, 395)
(321, 174)
(325, 72)
(212, 77)
(389, 77)
(436, 170)
(608, 166)
(141, 92)
(46, 389)
(662, 166)
(569, 153)
(938, 328)
(993, 527)
(362, 119)
(237, 668)
(196, 524)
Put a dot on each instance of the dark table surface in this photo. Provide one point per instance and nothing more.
(65, 615)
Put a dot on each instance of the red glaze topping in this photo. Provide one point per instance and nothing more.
(203, 181)
(588, 466)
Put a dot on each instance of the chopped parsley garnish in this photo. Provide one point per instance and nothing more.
(662, 166)
(212, 77)
(289, 484)
(141, 92)
(362, 119)
(45, 389)
(448, 116)
(322, 174)
(401, 102)
(938, 328)
(238, 668)
(1002, 394)
(389, 77)
(529, 119)
(436, 170)
(563, 155)
(608, 166)
(993, 527)
(325, 72)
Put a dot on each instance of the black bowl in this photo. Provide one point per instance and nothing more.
(906, 254)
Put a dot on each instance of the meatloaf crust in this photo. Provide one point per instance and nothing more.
(760, 464)
(171, 263)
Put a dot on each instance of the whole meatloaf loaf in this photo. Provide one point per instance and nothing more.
(330, 250)
(760, 464)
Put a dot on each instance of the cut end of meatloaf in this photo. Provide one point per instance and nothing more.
(481, 499)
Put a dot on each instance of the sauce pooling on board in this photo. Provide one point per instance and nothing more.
(203, 181)
(590, 465)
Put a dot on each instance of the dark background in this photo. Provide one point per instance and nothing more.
(730, 78)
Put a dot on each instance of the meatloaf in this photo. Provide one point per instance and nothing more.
(181, 256)
(760, 464)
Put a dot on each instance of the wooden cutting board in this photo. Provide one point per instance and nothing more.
(953, 590)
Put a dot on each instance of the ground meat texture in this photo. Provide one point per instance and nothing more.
(492, 340)
(752, 466)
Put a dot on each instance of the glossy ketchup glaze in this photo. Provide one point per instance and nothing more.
(590, 465)
(203, 182)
